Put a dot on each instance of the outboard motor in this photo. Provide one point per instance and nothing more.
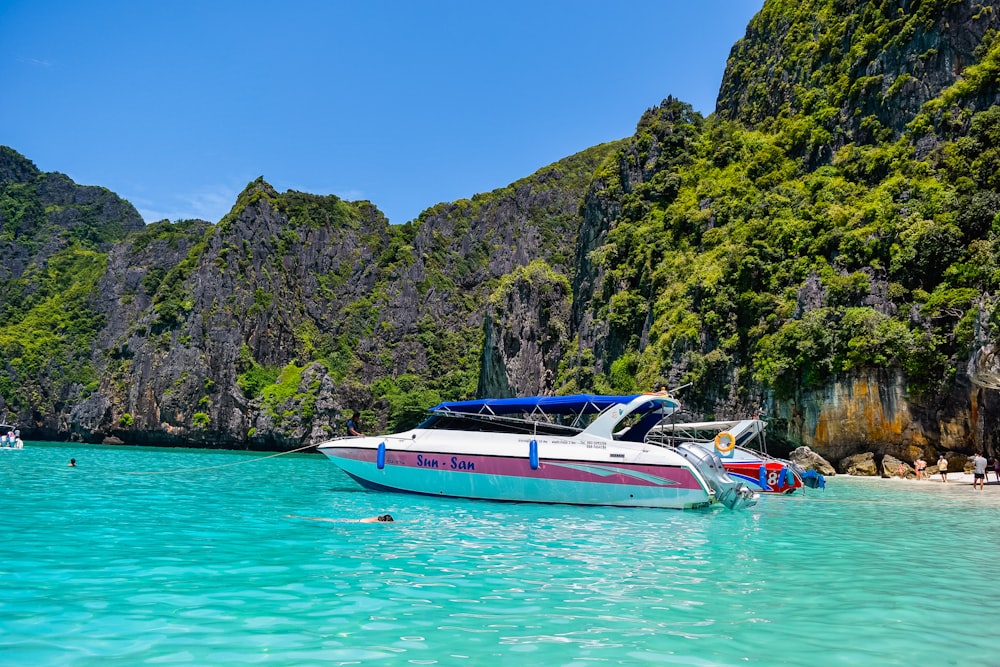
(734, 495)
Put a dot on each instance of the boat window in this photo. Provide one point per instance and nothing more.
(635, 427)
(492, 424)
(624, 427)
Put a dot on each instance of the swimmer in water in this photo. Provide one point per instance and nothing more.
(382, 518)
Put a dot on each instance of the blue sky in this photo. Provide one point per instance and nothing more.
(177, 105)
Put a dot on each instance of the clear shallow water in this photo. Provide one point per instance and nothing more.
(102, 567)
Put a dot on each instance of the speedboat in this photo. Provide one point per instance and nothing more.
(581, 449)
(742, 448)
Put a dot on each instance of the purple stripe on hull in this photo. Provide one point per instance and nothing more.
(375, 486)
(621, 473)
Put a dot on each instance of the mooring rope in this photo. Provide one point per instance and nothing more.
(224, 465)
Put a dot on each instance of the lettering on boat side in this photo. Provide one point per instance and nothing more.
(455, 463)
(427, 463)
(461, 464)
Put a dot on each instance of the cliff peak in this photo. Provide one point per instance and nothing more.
(15, 168)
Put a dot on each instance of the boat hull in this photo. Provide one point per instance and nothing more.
(513, 478)
(776, 477)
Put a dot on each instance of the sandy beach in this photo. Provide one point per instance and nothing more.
(953, 478)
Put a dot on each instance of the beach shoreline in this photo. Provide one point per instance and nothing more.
(935, 478)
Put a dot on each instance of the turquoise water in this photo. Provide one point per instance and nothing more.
(102, 567)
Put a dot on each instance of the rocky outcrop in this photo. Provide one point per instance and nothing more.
(893, 467)
(645, 170)
(15, 168)
(872, 411)
(526, 333)
(810, 460)
(859, 465)
(861, 66)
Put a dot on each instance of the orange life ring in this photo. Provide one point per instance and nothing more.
(725, 448)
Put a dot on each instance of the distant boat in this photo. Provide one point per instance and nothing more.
(582, 450)
(10, 437)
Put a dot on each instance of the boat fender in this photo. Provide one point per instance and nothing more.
(725, 443)
(762, 477)
(533, 454)
(789, 477)
(380, 457)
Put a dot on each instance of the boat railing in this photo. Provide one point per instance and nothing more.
(542, 424)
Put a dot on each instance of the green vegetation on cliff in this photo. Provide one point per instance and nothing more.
(47, 330)
(767, 269)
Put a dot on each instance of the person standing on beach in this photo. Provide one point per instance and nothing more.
(978, 471)
(920, 466)
(996, 468)
(943, 468)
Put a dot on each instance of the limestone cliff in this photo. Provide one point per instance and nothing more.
(526, 333)
(261, 331)
(864, 69)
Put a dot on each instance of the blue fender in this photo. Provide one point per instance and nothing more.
(533, 454)
(380, 457)
(762, 477)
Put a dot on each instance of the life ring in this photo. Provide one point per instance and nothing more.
(725, 448)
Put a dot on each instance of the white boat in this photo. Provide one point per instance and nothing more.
(581, 449)
(10, 437)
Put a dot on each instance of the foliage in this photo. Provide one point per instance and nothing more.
(45, 340)
(767, 268)
(253, 377)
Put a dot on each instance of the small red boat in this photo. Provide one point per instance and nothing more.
(741, 446)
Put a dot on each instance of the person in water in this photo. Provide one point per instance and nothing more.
(382, 518)
(72, 463)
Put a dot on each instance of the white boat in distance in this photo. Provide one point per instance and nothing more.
(582, 449)
(10, 437)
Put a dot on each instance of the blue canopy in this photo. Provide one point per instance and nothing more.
(567, 405)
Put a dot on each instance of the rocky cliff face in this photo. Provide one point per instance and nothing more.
(526, 333)
(645, 172)
(873, 412)
(262, 330)
(863, 69)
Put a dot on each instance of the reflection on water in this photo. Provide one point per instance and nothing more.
(103, 566)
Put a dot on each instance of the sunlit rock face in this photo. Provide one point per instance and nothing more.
(872, 412)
